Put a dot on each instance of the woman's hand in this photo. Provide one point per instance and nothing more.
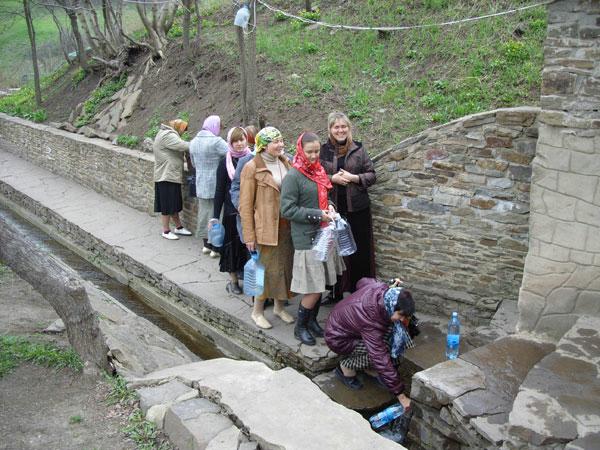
(337, 178)
(327, 216)
(331, 209)
(397, 282)
(251, 246)
(404, 401)
(349, 177)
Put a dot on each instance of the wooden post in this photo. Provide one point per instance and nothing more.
(252, 74)
(243, 73)
(63, 289)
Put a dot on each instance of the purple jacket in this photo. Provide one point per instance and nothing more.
(362, 315)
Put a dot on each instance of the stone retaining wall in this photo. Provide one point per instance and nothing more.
(451, 211)
(123, 174)
(561, 280)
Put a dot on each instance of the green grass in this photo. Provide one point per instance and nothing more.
(99, 97)
(128, 141)
(76, 419)
(22, 103)
(15, 350)
(119, 392)
(418, 78)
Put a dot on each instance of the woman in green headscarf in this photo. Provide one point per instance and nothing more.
(262, 227)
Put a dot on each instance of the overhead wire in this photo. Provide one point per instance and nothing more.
(401, 27)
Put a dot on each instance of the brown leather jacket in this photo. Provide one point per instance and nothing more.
(357, 162)
(259, 202)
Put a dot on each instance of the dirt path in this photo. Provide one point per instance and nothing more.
(42, 408)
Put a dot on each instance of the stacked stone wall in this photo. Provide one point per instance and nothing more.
(122, 174)
(562, 272)
(451, 211)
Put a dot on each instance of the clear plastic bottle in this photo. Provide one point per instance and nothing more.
(345, 240)
(453, 337)
(254, 276)
(386, 416)
(216, 234)
(324, 242)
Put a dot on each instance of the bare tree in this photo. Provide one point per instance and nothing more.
(157, 21)
(34, 58)
(307, 5)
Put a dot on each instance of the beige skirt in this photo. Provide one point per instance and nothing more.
(311, 275)
(278, 260)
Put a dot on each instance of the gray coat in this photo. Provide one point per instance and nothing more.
(168, 155)
(300, 205)
(206, 151)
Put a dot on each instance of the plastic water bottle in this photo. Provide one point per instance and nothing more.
(324, 242)
(453, 337)
(345, 241)
(254, 276)
(216, 234)
(386, 416)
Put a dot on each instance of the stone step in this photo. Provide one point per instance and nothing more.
(275, 408)
(559, 401)
(465, 402)
(155, 400)
(193, 424)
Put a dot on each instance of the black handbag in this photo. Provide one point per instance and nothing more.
(191, 182)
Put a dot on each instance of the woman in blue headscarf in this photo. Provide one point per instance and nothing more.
(371, 328)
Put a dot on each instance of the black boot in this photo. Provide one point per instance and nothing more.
(313, 326)
(300, 331)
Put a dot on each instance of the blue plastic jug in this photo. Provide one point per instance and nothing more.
(216, 234)
(254, 276)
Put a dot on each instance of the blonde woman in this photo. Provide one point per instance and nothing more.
(262, 227)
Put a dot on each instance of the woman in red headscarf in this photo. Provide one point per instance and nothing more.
(304, 201)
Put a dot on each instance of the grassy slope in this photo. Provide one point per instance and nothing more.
(398, 85)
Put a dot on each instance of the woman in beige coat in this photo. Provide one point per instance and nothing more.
(263, 228)
(168, 175)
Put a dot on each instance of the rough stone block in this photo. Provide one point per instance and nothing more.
(482, 202)
(500, 183)
(558, 82)
(586, 164)
(167, 393)
(442, 383)
(572, 235)
(550, 135)
(518, 116)
(579, 144)
(194, 423)
(227, 439)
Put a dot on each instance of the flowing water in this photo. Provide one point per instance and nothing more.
(199, 345)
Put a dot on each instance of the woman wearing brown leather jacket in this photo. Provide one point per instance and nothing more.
(351, 171)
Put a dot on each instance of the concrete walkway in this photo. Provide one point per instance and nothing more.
(174, 275)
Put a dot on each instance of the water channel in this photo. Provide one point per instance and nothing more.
(197, 344)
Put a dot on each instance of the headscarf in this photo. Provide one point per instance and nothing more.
(314, 172)
(399, 340)
(178, 125)
(232, 153)
(212, 124)
(265, 137)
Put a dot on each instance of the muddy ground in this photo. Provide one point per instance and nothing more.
(37, 404)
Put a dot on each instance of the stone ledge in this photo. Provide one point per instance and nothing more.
(278, 409)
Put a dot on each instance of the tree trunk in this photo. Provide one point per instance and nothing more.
(187, 15)
(81, 55)
(307, 5)
(62, 287)
(252, 75)
(198, 26)
(34, 58)
(243, 73)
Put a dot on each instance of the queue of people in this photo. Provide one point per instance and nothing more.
(277, 207)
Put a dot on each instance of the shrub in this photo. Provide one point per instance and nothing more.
(128, 141)
(78, 76)
(515, 51)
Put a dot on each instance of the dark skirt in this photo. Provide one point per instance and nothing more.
(362, 263)
(233, 253)
(167, 198)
